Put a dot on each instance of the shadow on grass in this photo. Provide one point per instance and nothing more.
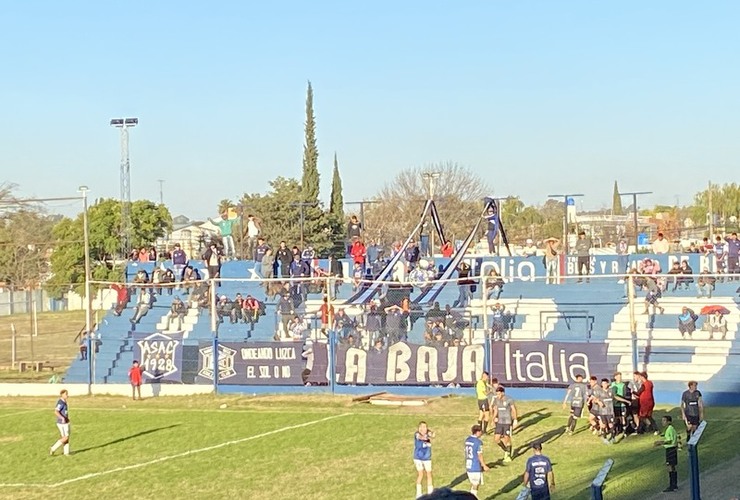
(522, 417)
(532, 421)
(126, 438)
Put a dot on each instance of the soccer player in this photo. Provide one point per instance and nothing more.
(475, 465)
(504, 416)
(577, 395)
(593, 404)
(607, 411)
(621, 402)
(635, 409)
(134, 376)
(692, 408)
(670, 443)
(423, 456)
(62, 413)
(538, 474)
(484, 409)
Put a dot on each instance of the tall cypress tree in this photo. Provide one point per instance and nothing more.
(617, 201)
(336, 206)
(310, 180)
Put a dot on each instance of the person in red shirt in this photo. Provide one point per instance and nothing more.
(447, 249)
(135, 376)
(122, 298)
(647, 403)
(358, 252)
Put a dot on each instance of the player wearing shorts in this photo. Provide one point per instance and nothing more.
(670, 444)
(504, 416)
(61, 411)
(475, 465)
(577, 395)
(538, 475)
(619, 391)
(484, 409)
(636, 386)
(692, 408)
(607, 411)
(593, 404)
(423, 456)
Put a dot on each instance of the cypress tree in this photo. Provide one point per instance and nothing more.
(617, 201)
(310, 180)
(336, 205)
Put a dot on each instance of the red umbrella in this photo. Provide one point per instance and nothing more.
(714, 309)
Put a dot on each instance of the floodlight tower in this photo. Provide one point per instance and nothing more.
(124, 124)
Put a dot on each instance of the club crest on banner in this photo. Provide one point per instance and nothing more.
(226, 362)
(160, 356)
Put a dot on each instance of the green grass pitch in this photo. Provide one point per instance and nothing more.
(307, 447)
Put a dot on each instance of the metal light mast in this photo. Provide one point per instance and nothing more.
(124, 124)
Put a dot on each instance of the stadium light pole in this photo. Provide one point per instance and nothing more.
(124, 124)
(634, 195)
(566, 198)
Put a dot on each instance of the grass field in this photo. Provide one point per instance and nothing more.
(304, 447)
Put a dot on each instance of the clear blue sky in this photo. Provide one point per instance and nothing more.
(538, 97)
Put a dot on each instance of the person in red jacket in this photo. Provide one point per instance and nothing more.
(135, 376)
(122, 298)
(647, 403)
(358, 252)
(447, 249)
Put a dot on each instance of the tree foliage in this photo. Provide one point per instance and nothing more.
(310, 180)
(459, 194)
(617, 201)
(150, 221)
(336, 206)
(725, 206)
(25, 246)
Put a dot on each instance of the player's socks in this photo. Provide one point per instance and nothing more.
(570, 423)
(430, 488)
(474, 492)
(485, 426)
(56, 446)
(66, 449)
(502, 446)
(509, 450)
(418, 490)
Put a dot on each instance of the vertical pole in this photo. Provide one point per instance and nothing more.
(302, 246)
(484, 298)
(633, 320)
(711, 212)
(332, 360)
(634, 221)
(216, 370)
(487, 359)
(88, 298)
(565, 227)
(12, 346)
(90, 366)
(362, 218)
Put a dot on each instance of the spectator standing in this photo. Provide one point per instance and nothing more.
(253, 231)
(135, 377)
(720, 255)
(411, 255)
(583, 253)
(225, 228)
(447, 249)
(179, 261)
(623, 255)
(661, 245)
(491, 229)
(354, 228)
(358, 252)
(268, 264)
(284, 258)
(551, 261)
(285, 311)
(464, 284)
(83, 346)
(259, 253)
(212, 260)
(733, 256)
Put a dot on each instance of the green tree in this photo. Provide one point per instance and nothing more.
(617, 201)
(336, 207)
(224, 205)
(310, 180)
(150, 221)
(725, 205)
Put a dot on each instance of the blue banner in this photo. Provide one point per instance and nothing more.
(159, 355)
(253, 363)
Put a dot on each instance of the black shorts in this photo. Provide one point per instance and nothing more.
(503, 429)
(693, 420)
(671, 456)
(542, 494)
(577, 411)
(483, 405)
(618, 412)
(607, 419)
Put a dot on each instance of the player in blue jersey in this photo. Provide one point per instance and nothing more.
(538, 474)
(62, 414)
(475, 465)
(423, 456)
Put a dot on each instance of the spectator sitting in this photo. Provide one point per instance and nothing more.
(693, 248)
(297, 328)
(687, 279)
(529, 249)
(122, 298)
(494, 285)
(143, 305)
(343, 324)
(675, 272)
(236, 310)
(168, 281)
(378, 347)
(454, 322)
(178, 310)
(349, 341)
(141, 278)
(705, 284)
(717, 324)
(152, 254)
(660, 245)
(687, 322)
(224, 308)
(250, 312)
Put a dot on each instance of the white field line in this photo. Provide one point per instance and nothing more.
(22, 412)
(93, 475)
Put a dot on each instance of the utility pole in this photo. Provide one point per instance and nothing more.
(124, 124)
(569, 200)
(161, 195)
(302, 205)
(634, 195)
(711, 211)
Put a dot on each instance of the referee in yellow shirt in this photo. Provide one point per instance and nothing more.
(482, 388)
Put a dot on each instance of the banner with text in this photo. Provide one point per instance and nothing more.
(159, 355)
(553, 364)
(253, 363)
(400, 364)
